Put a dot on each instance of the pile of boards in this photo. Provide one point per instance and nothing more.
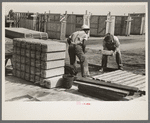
(116, 85)
(38, 61)
(24, 33)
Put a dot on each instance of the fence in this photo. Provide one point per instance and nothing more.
(60, 26)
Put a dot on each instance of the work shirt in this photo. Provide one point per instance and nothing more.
(111, 45)
(78, 37)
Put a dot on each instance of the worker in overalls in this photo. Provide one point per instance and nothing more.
(76, 43)
(111, 43)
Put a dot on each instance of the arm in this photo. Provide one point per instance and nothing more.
(117, 44)
(104, 45)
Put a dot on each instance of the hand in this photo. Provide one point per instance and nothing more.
(114, 52)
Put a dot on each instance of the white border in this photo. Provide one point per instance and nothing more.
(69, 110)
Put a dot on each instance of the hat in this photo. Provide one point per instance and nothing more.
(85, 27)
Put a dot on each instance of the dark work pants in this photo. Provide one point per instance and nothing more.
(77, 50)
(118, 59)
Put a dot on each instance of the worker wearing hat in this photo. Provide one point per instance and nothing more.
(76, 43)
(111, 43)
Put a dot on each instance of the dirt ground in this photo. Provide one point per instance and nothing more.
(133, 58)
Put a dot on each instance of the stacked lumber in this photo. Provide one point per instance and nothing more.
(38, 61)
(116, 85)
(24, 33)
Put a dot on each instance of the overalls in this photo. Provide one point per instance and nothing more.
(76, 48)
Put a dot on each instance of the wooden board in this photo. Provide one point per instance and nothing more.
(51, 46)
(52, 64)
(52, 72)
(52, 56)
(102, 92)
(51, 82)
(24, 33)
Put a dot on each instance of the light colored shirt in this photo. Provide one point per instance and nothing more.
(78, 37)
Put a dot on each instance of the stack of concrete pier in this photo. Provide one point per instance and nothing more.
(39, 61)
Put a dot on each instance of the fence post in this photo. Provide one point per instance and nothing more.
(63, 26)
(108, 21)
(45, 22)
(128, 26)
(142, 26)
(34, 21)
(86, 18)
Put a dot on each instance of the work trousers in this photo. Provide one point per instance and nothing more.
(118, 59)
(77, 50)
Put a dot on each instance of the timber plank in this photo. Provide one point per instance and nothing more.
(52, 64)
(22, 76)
(18, 52)
(18, 73)
(38, 63)
(37, 71)
(32, 70)
(24, 33)
(52, 56)
(129, 79)
(137, 83)
(22, 67)
(52, 72)
(32, 55)
(27, 76)
(100, 92)
(122, 78)
(18, 65)
(37, 79)
(33, 62)
(27, 53)
(51, 82)
(14, 72)
(38, 55)
(51, 46)
(23, 59)
(27, 61)
(133, 81)
(23, 52)
(18, 58)
(27, 69)
(113, 76)
(32, 78)
(113, 85)
(97, 76)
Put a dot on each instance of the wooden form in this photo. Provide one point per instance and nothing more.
(31, 63)
(123, 78)
(116, 85)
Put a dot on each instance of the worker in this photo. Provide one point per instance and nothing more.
(111, 43)
(76, 43)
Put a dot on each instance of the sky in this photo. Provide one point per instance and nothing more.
(96, 8)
